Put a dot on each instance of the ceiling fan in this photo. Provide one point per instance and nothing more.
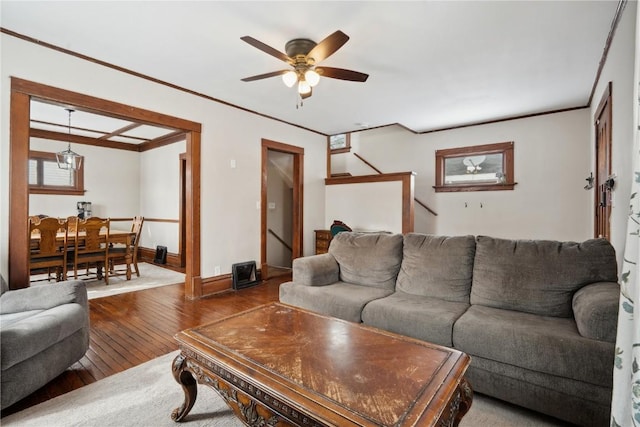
(303, 55)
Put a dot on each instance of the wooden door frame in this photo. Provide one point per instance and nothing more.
(182, 229)
(21, 93)
(298, 176)
(605, 102)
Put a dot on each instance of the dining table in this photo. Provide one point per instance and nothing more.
(115, 237)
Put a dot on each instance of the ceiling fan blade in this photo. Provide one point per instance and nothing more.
(264, 76)
(342, 74)
(328, 46)
(266, 49)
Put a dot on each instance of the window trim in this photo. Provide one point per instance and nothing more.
(77, 190)
(504, 148)
(345, 149)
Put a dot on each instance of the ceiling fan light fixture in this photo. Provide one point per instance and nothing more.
(303, 87)
(290, 78)
(312, 77)
(303, 55)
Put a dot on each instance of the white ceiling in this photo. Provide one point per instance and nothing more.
(431, 64)
(55, 118)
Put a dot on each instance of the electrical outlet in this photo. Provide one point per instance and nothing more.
(216, 270)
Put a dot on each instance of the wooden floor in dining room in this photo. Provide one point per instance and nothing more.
(132, 328)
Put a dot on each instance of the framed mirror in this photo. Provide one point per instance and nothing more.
(475, 168)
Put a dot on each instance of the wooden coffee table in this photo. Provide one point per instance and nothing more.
(277, 365)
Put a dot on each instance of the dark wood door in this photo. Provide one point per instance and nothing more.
(603, 166)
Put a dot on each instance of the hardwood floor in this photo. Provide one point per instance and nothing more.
(132, 328)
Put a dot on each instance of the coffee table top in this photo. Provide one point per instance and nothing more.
(334, 369)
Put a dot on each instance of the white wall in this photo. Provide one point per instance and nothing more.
(160, 195)
(551, 163)
(230, 220)
(111, 181)
(554, 154)
(619, 70)
(123, 184)
(371, 206)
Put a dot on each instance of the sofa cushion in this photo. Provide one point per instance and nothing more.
(8, 319)
(43, 296)
(29, 336)
(538, 276)
(423, 318)
(595, 308)
(437, 266)
(341, 300)
(368, 259)
(315, 270)
(26, 377)
(545, 344)
(578, 402)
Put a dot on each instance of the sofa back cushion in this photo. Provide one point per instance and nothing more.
(370, 259)
(437, 266)
(538, 276)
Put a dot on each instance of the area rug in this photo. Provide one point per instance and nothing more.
(151, 276)
(146, 394)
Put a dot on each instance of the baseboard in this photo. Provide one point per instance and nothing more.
(217, 284)
(148, 255)
(210, 285)
(223, 283)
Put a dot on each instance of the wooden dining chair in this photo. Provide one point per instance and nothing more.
(117, 254)
(91, 246)
(50, 249)
(73, 224)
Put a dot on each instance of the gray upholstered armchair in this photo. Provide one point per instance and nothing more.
(44, 329)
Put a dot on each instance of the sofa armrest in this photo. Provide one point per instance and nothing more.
(316, 270)
(595, 309)
(44, 297)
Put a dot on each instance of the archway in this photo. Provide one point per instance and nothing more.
(21, 93)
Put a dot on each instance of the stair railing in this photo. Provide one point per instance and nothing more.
(279, 239)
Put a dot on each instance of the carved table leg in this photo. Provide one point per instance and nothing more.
(189, 385)
(466, 398)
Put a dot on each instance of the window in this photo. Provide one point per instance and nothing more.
(478, 168)
(340, 143)
(46, 178)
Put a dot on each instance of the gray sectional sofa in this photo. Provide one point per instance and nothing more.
(44, 329)
(538, 318)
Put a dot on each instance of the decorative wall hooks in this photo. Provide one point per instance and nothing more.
(466, 205)
(589, 180)
(610, 182)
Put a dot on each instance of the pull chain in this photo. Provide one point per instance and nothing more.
(301, 104)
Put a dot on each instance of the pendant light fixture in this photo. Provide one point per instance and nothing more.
(68, 159)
